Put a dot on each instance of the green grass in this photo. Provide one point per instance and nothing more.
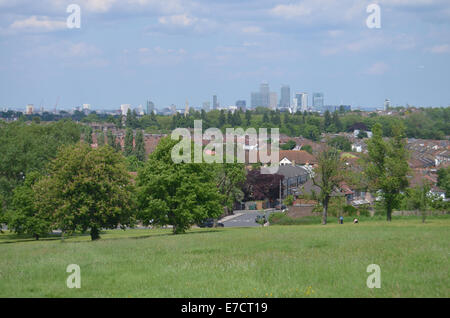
(275, 261)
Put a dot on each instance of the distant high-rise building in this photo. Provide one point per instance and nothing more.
(215, 102)
(295, 105)
(241, 104)
(285, 99)
(265, 94)
(317, 101)
(86, 106)
(124, 109)
(302, 101)
(255, 99)
(273, 99)
(206, 106)
(387, 104)
(261, 98)
(140, 110)
(29, 109)
(186, 109)
(150, 107)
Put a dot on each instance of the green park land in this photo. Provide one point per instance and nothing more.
(309, 260)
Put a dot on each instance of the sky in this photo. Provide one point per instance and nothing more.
(170, 51)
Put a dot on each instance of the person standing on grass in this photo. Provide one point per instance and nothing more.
(341, 220)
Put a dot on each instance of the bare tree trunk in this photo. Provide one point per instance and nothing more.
(95, 234)
(325, 211)
(389, 214)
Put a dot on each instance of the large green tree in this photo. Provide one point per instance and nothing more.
(30, 147)
(177, 194)
(86, 189)
(23, 216)
(128, 143)
(329, 173)
(444, 180)
(387, 166)
(140, 146)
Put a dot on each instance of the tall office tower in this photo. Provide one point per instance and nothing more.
(29, 109)
(294, 105)
(124, 109)
(241, 104)
(215, 103)
(86, 106)
(273, 98)
(387, 104)
(302, 101)
(150, 107)
(206, 106)
(265, 94)
(186, 109)
(255, 99)
(317, 101)
(285, 99)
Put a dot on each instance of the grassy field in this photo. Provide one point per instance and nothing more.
(275, 261)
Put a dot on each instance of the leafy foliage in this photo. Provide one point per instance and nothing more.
(387, 167)
(86, 189)
(23, 217)
(176, 194)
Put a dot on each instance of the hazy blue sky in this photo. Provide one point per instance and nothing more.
(172, 50)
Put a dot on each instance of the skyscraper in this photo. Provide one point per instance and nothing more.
(255, 99)
(317, 101)
(273, 99)
(186, 109)
(124, 109)
(206, 106)
(241, 104)
(285, 99)
(387, 104)
(150, 107)
(263, 97)
(295, 105)
(265, 94)
(215, 103)
(302, 101)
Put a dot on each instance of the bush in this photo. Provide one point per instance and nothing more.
(350, 210)
(289, 200)
(364, 210)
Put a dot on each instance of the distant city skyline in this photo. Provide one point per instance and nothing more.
(127, 52)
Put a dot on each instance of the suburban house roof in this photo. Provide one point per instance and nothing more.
(292, 171)
(300, 157)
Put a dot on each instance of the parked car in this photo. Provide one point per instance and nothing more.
(210, 223)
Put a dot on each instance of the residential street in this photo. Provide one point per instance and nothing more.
(244, 218)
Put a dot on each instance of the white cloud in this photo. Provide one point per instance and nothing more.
(440, 49)
(37, 24)
(378, 68)
(289, 11)
(181, 20)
